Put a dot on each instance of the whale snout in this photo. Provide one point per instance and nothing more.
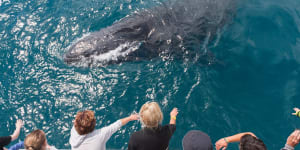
(90, 52)
(78, 51)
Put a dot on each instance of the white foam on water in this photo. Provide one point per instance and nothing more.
(2, 1)
(4, 17)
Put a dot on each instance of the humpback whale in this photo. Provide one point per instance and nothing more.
(170, 29)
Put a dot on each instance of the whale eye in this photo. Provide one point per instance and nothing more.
(87, 54)
(137, 27)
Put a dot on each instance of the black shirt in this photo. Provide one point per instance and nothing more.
(5, 140)
(152, 139)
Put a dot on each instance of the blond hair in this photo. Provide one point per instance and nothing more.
(36, 140)
(151, 115)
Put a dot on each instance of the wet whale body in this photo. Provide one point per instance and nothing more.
(170, 29)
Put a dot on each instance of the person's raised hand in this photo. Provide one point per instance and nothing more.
(174, 112)
(296, 111)
(134, 117)
(19, 123)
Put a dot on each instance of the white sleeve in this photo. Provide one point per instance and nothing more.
(52, 148)
(288, 147)
(108, 131)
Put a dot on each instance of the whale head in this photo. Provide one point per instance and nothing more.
(102, 48)
(111, 45)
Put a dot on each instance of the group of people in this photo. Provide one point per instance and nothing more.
(36, 140)
(152, 136)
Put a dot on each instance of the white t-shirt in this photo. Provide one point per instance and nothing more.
(95, 140)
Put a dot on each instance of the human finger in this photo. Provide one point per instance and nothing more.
(135, 117)
(19, 122)
(298, 136)
(175, 109)
(294, 136)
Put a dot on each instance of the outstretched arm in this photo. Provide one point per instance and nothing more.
(16, 133)
(173, 115)
(129, 118)
(114, 127)
(223, 142)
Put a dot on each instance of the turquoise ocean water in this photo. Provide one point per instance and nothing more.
(254, 90)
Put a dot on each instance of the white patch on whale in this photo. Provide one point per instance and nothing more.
(121, 51)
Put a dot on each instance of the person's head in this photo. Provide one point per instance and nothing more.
(85, 122)
(249, 142)
(151, 115)
(36, 140)
(196, 140)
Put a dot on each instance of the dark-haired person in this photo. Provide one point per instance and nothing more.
(5, 140)
(297, 112)
(36, 140)
(196, 140)
(292, 141)
(84, 137)
(248, 141)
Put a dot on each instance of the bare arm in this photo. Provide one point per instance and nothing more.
(237, 137)
(173, 115)
(16, 133)
(129, 118)
(114, 127)
(223, 142)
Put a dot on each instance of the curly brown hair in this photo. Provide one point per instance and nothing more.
(85, 122)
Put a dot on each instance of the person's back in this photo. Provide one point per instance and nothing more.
(84, 137)
(153, 138)
(96, 140)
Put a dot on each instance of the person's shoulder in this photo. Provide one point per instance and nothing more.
(53, 148)
(169, 126)
(5, 138)
(136, 134)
